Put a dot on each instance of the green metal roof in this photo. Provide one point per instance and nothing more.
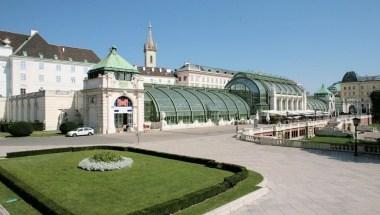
(114, 62)
(323, 90)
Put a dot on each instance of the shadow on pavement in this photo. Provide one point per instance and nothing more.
(346, 156)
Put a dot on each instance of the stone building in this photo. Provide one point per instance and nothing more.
(29, 64)
(355, 92)
(203, 76)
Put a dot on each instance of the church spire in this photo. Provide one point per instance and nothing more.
(149, 45)
(150, 49)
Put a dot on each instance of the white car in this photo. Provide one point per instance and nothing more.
(81, 132)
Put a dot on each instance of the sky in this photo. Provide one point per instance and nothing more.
(313, 42)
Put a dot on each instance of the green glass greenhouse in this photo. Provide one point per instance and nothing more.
(190, 104)
(256, 89)
(314, 103)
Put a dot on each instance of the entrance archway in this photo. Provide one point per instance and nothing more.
(123, 113)
(352, 109)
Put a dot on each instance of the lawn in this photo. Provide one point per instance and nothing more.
(339, 140)
(243, 188)
(13, 203)
(376, 125)
(151, 180)
(36, 134)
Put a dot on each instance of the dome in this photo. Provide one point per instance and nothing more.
(350, 77)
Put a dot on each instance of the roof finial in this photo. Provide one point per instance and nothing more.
(113, 49)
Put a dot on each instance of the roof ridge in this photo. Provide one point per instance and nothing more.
(26, 35)
(23, 44)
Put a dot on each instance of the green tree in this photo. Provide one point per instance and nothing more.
(375, 99)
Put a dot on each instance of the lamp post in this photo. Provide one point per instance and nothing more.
(237, 125)
(356, 123)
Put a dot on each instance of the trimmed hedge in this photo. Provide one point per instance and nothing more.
(37, 126)
(68, 126)
(20, 129)
(33, 197)
(47, 206)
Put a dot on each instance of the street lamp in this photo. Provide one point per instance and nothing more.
(356, 123)
(237, 125)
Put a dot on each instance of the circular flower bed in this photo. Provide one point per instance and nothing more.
(105, 161)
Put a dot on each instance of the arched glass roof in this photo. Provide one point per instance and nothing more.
(282, 85)
(316, 104)
(192, 102)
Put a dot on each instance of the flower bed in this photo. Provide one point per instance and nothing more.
(105, 161)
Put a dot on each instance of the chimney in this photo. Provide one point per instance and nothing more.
(33, 32)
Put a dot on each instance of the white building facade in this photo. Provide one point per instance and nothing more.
(203, 76)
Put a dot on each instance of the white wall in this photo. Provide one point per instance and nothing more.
(32, 71)
(3, 101)
(159, 80)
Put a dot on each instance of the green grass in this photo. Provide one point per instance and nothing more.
(46, 133)
(241, 189)
(339, 140)
(150, 180)
(36, 134)
(376, 125)
(16, 207)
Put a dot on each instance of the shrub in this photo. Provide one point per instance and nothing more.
(106, 157)
(38, 126)
(20, 129)
(68, 126)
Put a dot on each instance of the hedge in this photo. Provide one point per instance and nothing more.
(47, 206)
(33, 197)
(20, 129)
(68, 126)
(37, 126)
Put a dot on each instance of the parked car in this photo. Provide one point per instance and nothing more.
(81, 132)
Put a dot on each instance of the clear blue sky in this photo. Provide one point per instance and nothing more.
(312, 42)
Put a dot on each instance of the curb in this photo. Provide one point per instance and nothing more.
(3, 211)
(242, 201)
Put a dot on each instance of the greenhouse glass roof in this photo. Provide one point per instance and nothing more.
(316, 104)
(191, 101)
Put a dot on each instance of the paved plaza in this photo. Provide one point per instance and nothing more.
(300, 181)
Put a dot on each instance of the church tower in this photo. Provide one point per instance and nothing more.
(150, 49)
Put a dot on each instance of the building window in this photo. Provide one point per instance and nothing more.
(344, 88)
(73, 80)
(22, 76)
(58, 67)
(353, 87)
(22, 91)
(41, 66)
(58, 79)
(41, 78)
(373, 87)
(184, 78)
(362, 87)
(151, 59)
(179, 78)
(72, 68)
(22, 65)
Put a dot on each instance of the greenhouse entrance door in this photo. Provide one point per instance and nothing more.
(123, 114)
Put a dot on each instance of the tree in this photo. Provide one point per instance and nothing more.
(375, 99)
